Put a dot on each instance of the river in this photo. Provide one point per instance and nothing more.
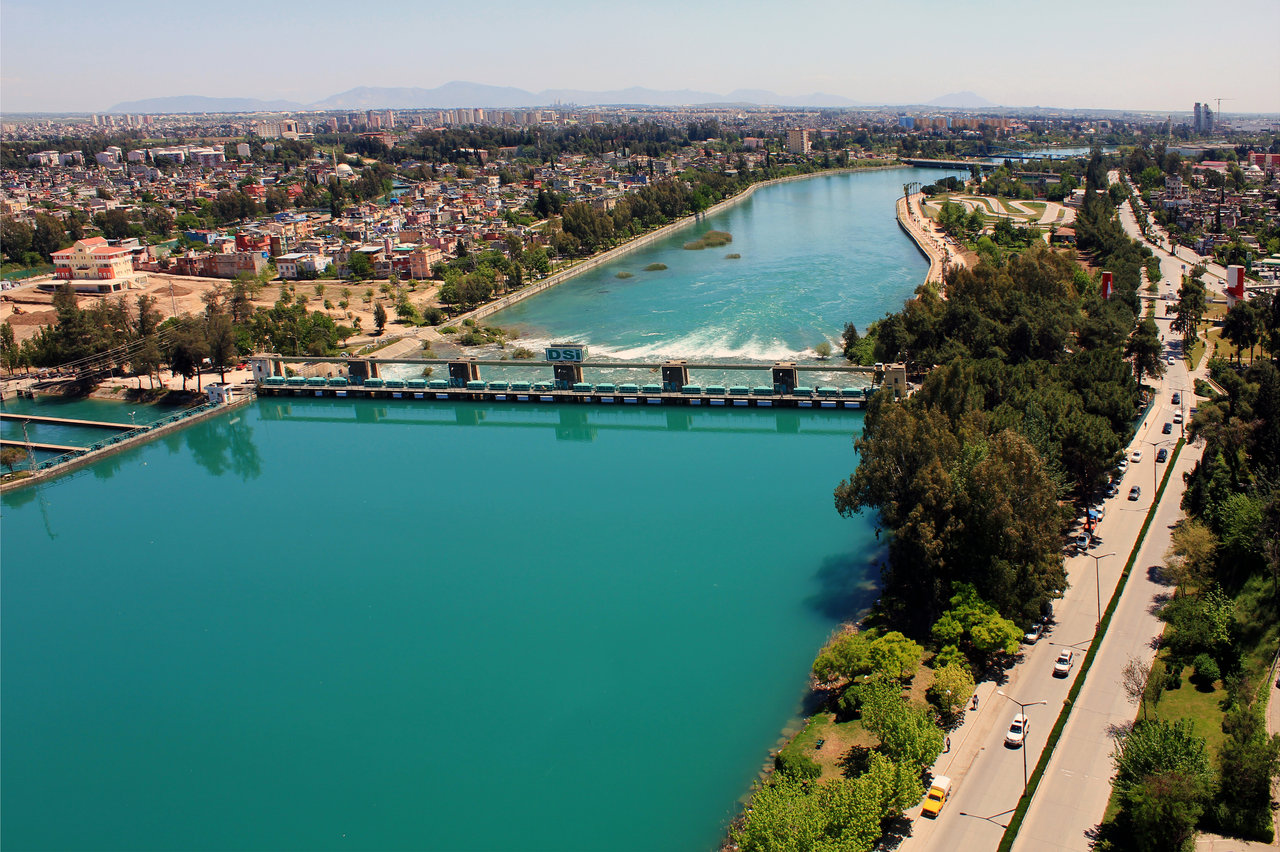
(329, 624)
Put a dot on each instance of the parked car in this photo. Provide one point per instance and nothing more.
(1123, 466)
(1033, 635)
(1135, 456)
(1169, 360)
(1177, 418)
(1177, 398)
(1017, 731)
(1113, 489)
(1082, 542)
(939, 792)
(1062, 666)
(1135, 492)
(1168, 427)
(1162, 455)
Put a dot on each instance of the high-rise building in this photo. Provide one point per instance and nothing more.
(798, 141)
(1208, 119)
(1197, 123)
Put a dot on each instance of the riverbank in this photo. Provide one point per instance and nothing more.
(936, 246)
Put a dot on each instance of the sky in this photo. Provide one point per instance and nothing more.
(1160, 55)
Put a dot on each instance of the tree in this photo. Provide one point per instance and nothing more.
(850, 340)
(1190, 559)
(147, 359)
(221, 343)
(8, 347)
(1145, 348)
(186, 353)
(1242, 327)
(951, 688)
(1163, 782)
(379, 318)
(823, 350)
(1247, 761)
(906, 731)
(1191, 307)
(11, 456)
(359, 266)
(1133, 678)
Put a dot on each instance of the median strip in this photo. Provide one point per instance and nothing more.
(1020, 813)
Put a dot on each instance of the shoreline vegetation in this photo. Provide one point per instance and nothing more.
(1029, 385)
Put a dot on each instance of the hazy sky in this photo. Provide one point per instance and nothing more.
(1136, 54)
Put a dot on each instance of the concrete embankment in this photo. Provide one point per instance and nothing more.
(911, 221)
(640, 242)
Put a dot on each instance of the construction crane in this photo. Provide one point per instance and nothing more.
(1219, 101)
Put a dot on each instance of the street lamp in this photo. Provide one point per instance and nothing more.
(1155, 468)
(1024, 736)
(1097, 582)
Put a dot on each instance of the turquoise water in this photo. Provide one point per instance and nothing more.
(75, 409)
(816, 254)
(329, 624)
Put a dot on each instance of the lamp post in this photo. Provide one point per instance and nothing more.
(1097, 582)
(1024, 735)
(1155, 468)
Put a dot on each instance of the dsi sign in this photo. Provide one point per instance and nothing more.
(566, 353)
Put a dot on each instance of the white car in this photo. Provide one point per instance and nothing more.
(1135, 456)
(1169, 360)
(1033, 635)
(1017, 731)
(1062, 666)
(1177, 417)
(1123, 466)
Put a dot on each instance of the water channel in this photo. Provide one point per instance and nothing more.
(328, 624)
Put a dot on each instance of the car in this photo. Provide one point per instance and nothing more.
(1062, 665)
(1177, 418)
(1162, 455)
(1123, 466)
(1167, 428)
(1135, 492)
(1113, 489)
(1169, 360)
(1082, 541)
(1033, 635)
(1135, 456)
(1177, 399)
(1017, 731)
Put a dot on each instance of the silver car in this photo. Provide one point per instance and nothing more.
(1062, 666)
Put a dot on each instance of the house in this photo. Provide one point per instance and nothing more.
(94, 259)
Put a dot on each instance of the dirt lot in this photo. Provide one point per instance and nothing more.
(27, 309)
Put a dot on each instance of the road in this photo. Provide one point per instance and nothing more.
(1072, 796)
(987, 777)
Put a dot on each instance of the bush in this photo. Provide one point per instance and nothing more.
(792, 762)
(521, 353)
(473, 338)
(1206, 671)
(432, 316)
(624, 274)
(655, 267)
(1172, 676)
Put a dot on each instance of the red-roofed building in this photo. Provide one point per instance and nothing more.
(94, 259)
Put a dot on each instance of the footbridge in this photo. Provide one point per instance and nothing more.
(67, 421)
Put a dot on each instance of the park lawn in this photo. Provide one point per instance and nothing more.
(1197, 350)
(1190, 702)
(840, 738)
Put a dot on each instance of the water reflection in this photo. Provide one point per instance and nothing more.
(225, 445)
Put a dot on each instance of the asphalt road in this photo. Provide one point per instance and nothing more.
(987, 776)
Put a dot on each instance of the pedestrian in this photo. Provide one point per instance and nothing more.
(975, 701)
(948, 743)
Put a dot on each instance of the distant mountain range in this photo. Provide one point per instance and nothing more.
(462, 94)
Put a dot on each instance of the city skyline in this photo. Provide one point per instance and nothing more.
(1101, 56)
